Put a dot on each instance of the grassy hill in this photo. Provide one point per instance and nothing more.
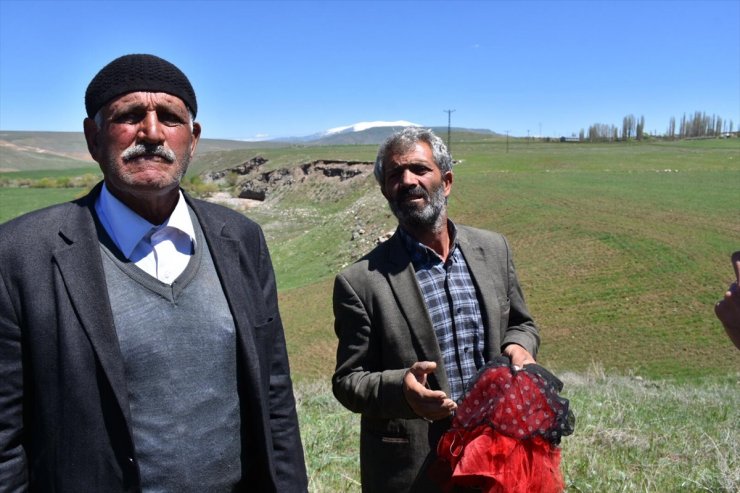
(27, 151)
(51, 151)
(622, 249)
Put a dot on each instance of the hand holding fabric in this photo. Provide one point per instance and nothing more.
(506, 433)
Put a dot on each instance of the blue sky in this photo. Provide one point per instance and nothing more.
(283, 68)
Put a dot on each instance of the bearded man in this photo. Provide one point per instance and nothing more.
(419, 315)
(141, 347)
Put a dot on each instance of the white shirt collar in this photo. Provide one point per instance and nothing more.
(126, 228)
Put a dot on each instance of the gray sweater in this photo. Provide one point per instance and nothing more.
(179, 349)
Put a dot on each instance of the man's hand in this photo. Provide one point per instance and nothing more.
(428, 404)
(728, 309)
(518, 355)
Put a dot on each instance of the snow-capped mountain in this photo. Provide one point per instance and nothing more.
(362, 133)
(357, 133)
(359, 127)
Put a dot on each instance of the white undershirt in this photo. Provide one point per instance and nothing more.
(161, 251)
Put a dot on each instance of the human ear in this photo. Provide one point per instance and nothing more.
(91, 137)
(196, 137)
(447, 180)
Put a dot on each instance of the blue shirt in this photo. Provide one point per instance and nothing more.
(452, 303)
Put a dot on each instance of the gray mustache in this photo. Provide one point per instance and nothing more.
(144, 150)
(413, 192)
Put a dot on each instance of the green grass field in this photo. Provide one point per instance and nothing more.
(621, 262)
(631, 435)
(17, 201)
(622, 251)
(620, 259)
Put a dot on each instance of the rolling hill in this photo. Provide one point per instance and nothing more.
(622, 249)
(25, 150)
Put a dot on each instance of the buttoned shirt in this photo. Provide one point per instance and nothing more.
(162, 251)
(452, 303)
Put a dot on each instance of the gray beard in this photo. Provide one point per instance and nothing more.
(429, 217)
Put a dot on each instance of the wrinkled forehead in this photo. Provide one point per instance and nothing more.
(146, 100)
(409, 151)
(399, 147)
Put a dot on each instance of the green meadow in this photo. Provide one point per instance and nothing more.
(622, 250)
(17, 201)
(632, 435)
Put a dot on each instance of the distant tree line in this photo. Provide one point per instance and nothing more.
(699, 125)
(696, 126)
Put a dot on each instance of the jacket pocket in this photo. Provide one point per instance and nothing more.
(385, 432)
(265, 332)
(392, 453)
(264, 338)
(396, 440)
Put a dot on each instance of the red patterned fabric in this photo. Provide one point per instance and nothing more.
(505, 434)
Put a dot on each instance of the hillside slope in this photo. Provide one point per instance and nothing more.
(622, 249)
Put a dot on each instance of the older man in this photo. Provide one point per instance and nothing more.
(419, 315)
(141, 346)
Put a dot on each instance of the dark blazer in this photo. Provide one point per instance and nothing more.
(383, 328)
(64, 412)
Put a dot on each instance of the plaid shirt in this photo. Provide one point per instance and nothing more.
(452, 303)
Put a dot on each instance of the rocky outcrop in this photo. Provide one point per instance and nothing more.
(255, 184)
(343, 170)
(243, 169)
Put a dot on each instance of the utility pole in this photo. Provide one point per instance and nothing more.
(449, 127)
(507, 141)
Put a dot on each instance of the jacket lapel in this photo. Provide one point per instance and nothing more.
(225, 254)
(402, 280)
(480, 272)
(80, 264)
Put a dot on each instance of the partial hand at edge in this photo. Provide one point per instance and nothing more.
(426, 403)
(728, 309)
